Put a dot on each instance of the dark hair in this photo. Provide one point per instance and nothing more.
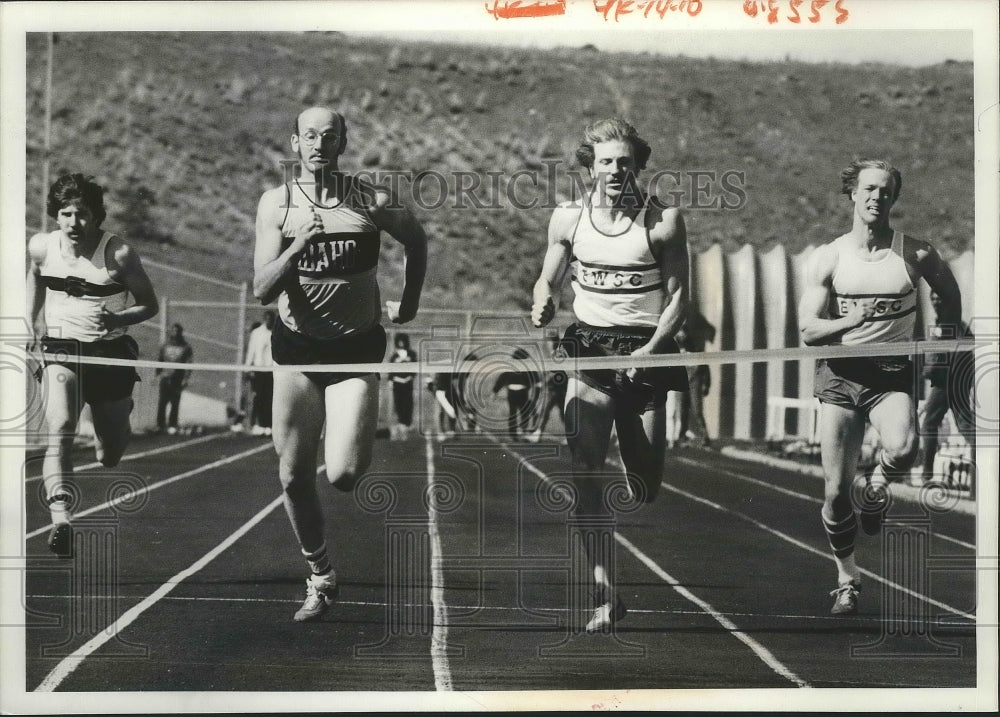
(74, 188)
(402, 340)
(269, 319)
(849, 175)
(606, 130)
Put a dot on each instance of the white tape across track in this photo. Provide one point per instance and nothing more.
(904, 348)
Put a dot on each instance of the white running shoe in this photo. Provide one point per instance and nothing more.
(605, 616)
(845, 599)
(321, 593)
(61, 540)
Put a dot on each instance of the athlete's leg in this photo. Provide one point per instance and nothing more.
(298, 421)
(934, 409)
(352, 407)
(175, 404)
(962, 402)
(112, 429)
(683, 418)
(62, 412)
(161, 405)
(517, 413)
(696, 407)
(842, 431)
(253, 395)
(548, 403)
(266, 388)
(895, 420)
(589, 416)
(642, 440)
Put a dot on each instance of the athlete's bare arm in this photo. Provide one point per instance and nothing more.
(668, 237)
(402, 226)
(35, 290)
(555, 264)
(125, 267)
(938, 275)
(272, 265)
(814, 326)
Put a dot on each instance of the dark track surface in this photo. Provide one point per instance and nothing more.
(493, 559)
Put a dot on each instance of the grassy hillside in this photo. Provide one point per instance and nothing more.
(187, 129)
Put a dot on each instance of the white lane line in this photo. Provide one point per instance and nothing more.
(748, 479)
(143, 454)
(762, 652)
(132, 495)
(814, 551)
(794, 494)
(439, 636)
(68, 664)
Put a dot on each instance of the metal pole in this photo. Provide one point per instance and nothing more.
(241, 331)
(48, 131)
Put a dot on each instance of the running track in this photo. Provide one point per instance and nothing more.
(189, 584)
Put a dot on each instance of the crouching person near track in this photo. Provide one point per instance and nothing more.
(616, 230)
(317, 252)
(85, 286)
(860, 289)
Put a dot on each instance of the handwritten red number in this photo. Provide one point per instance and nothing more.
(794, 17)
(816, 6)
(750, 7)
(772, 11)
(842, 13)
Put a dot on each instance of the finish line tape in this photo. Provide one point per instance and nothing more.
(549, 363)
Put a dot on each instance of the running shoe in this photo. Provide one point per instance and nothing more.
(321, 593)
(61, 540)
(874, 501)
(605, 616)
(845, 599)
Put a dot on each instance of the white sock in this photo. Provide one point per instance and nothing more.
(847, 570)
(59, 511)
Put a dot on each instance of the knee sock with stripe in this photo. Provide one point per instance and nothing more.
(319, 560)
(841, 534)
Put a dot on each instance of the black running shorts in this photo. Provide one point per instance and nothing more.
(648, 390)
(291, 347)
(98, 383)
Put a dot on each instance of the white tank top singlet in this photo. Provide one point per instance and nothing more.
(886, 282)
(76, 289)
(616, 279)
(336, 291)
